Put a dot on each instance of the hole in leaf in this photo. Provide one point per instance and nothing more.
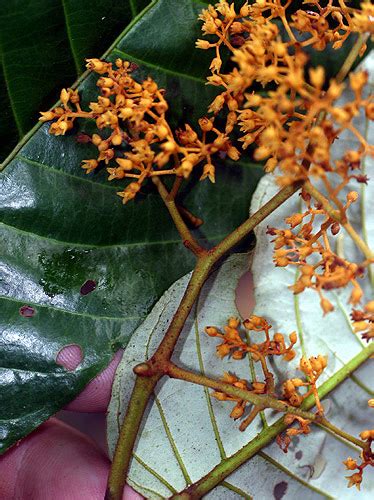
(280, 490)
(70, 357)
(298, 455)
(88, 287)
(27, 311)
(244, 297)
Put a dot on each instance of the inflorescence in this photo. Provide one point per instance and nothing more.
(290, 125)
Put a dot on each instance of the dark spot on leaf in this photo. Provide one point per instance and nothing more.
(280, 490)
(27, 311)
(88, 287)
(70, 357)
(83, 138)
(298, 455)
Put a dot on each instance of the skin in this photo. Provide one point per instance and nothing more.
(57, 461)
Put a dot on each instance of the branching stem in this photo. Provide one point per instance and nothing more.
(157, 366)
(261, 400)
(169, 200)
(336, 215)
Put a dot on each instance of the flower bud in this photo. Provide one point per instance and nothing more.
(335, 228)
(326, 306)
(293, 337)
(117, 140)
(46, 116)
(356, 295)
(125, 164)
(212, 331)
(352, 196)
(237, 412)
(369, 307)
(317, 76)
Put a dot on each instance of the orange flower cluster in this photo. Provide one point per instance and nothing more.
(329, 23)
(282, 123)
(236, 344)
(307, 245)
(136, 141)
(312, 369)
(240, 406)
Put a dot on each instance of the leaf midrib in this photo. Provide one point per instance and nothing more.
(76, 59)
(10, 98)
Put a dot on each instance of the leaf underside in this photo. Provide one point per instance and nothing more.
(186, 432)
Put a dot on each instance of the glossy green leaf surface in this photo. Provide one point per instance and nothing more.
(43, 44)
(60, 228)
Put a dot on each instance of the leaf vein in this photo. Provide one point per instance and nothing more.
(172, 442)
(206, 391)
(157, 67)
(154, 473)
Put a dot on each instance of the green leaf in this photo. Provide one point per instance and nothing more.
(43, 44)
(60, 228)
(186, 433)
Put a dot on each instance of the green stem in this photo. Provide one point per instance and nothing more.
(351, 58)
(187, 238)
(325, 424)
(141, 394)
(229, 465)
(260, 400)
